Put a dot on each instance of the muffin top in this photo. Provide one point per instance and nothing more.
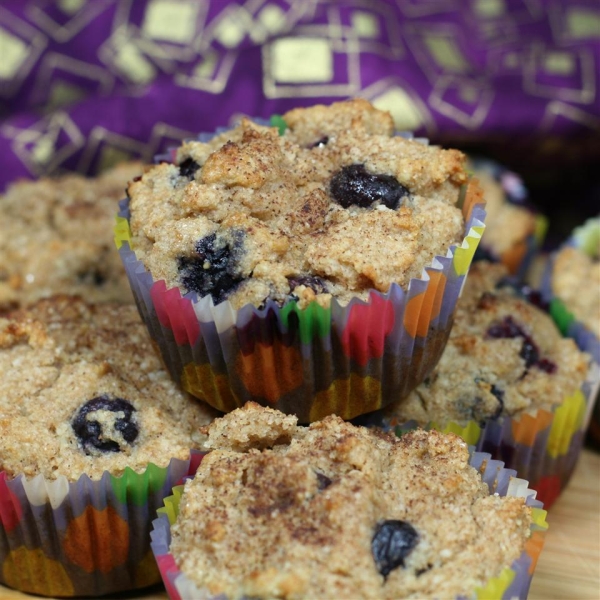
(335, 206)
(338, 511)
(576, 281)
(504, 356)
(82, 391)
(507, 223)
(56, 236)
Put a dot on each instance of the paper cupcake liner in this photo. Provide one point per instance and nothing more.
(542, 447)
(519, 258)
(312, 362)
(584, 238)
(83, 538)
(512, 582)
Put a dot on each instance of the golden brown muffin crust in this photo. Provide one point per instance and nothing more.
(61, 354)
(504, 356)
(295, 516)
(257, 209)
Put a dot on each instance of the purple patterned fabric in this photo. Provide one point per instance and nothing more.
(86, 83)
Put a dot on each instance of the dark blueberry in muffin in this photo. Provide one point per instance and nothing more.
(97, 432)
(316, 284)
(212, 269)
(499, 395)
(530, 353)
(92, 277)
(188, 168)
(354, 185)
(392, 542)
(507, 328)
(322, 481)
(546, 365)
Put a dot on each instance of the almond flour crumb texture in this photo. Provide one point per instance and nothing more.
(506, 224)
(504, 356)
(332, 208)
(576, 281)
(338, 511)
(56, 236)
(82, 391)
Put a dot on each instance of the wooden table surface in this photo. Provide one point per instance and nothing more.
(569, 566)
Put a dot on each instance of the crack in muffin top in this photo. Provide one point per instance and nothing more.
(336, 206)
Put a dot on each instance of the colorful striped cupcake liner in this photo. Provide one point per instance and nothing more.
(585, 238)
(83, 538)
(512, 583)
(312, 362)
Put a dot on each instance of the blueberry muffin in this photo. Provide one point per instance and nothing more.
(56, 237)
(338, 511)
(576, 281)
(82, 391)
(510, 235)
(505, 356)
(334, 206)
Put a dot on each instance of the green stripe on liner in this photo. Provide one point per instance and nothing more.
(135, 487)
(562, 317)
(277, 121)
(314, 320)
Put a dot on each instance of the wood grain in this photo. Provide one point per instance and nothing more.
(569, 566)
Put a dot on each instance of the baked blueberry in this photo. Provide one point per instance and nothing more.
(355, 186)
(499, 395)
(212, 270)
(188, 168)
(322, 481)
(392, 542)
(509, 328)
(98, 432)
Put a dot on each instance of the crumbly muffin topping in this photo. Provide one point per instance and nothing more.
(335, 206)
(56, 236)
(576, 281)
(504, 356)
(507, 224)
(82, 391)
(338, 511)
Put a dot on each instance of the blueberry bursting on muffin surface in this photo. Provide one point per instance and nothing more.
(104, 424)
(530, 353)
(354, 185)
(392, 542)
(212, 270)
